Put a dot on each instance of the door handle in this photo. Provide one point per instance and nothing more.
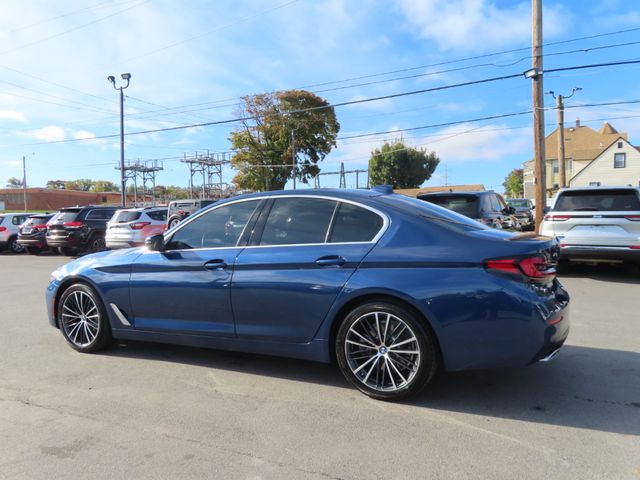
(215, 265)
(331, 261)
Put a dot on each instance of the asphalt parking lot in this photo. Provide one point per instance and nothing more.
(155, 411)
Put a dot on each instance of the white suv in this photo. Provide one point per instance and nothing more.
(129, 227)
(9, 223)
(596, 223)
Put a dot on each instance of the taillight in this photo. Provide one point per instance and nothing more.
(535, 268)
(3, 229)
(635, 247)
(39, 227)
(139, 225)
(633, 218)
(557, 218)
(72, 224)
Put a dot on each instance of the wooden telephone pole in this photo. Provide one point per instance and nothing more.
(540, 170)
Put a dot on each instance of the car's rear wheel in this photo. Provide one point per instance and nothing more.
(97, 244)
(385, 351)
(173, 222)
(82, 319)
(33, 250)
(14, 246)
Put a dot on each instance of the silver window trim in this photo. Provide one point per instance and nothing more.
(385, 222)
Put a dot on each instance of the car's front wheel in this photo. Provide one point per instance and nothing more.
(83, 320)
(385, 351)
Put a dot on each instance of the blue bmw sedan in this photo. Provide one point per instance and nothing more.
(389, 287)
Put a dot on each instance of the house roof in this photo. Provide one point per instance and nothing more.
(414, 192)
(582, 142)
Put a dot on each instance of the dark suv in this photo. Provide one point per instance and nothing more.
(32, 233)
(181, 209)
(76, 229)
(487, 207)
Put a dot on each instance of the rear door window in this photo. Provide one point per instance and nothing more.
(65, 216)
(355, 224)
(295, 221)
(598, 201)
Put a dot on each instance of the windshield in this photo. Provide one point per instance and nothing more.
(466, 205)
(124, 216)
(598, 201)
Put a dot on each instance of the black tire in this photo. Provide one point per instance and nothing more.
(389, 323)
(96, 243)
(33, 250)
(14, 246)
(173, 222)
(82, 319)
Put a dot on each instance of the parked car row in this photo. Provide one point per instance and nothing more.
(78, 229)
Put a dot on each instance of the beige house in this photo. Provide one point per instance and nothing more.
(617, 165)
(583, 146)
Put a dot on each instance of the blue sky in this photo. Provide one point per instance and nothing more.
(191, 60)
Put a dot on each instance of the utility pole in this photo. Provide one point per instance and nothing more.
(112, 80)
(562, 168)
(293, 156)
(24, 181)
(540, 167)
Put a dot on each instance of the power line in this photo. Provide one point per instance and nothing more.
(351, 102)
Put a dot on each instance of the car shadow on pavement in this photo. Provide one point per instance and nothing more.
(583, 387)
(279, 367)
(618, 273)
(590, 388)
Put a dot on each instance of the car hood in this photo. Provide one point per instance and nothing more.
(113, 261)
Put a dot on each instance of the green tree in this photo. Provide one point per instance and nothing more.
(14, 182)
(83, 184)
(104, 186)
(400, 166)
(512, 184)
(275, 132)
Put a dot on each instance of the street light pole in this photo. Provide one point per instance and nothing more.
(24, 180)
(112, 80)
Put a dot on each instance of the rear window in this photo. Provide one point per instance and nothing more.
(518, 202)
(125, 216)
(598, 201)
(466, 205)
(160, 215)
(36, 221)
(65, 216)
(431, 211)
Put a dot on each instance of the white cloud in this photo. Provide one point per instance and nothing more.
(13, 115)
(51, 133)
(12, 163)
(476, 25)
(468, 143)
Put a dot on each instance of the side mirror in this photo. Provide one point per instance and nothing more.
(155, 243)
(546, 210)
(533, 207)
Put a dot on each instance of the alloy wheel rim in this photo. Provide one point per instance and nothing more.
(382, 351)
(80, 318)
(16, 247)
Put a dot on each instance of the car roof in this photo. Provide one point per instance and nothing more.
(601, 187)
(457, 193)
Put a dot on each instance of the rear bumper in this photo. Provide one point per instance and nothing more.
(70, 241)
(122, 244)
(33, 242)
(590, 252)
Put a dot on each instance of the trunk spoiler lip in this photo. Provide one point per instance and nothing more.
(529, 236)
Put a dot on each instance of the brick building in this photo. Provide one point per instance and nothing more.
(53, 199)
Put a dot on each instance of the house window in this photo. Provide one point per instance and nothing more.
(620, 160)
(594, 184)
(555, 166)
(619, 144)
(570, 165)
